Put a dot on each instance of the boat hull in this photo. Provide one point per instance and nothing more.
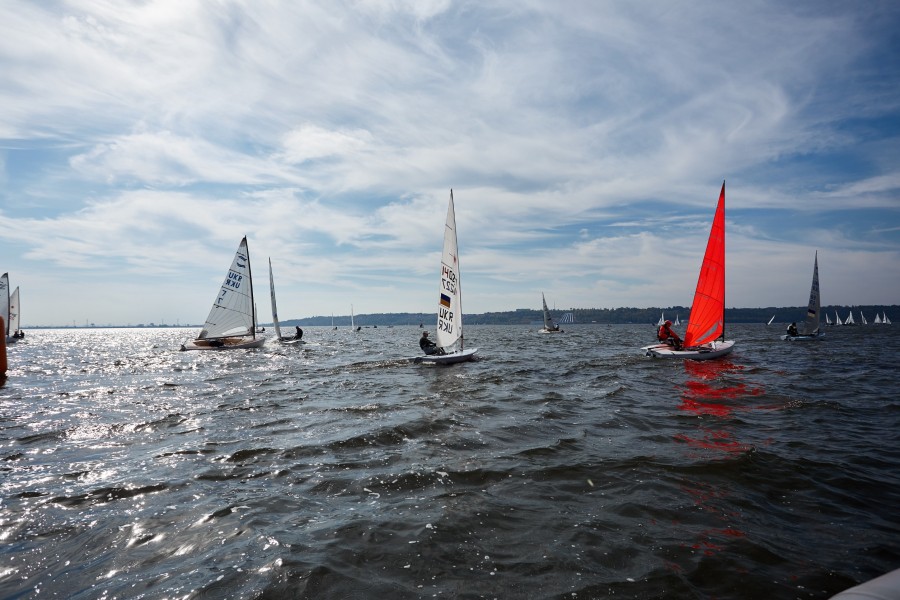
(234, 343)
(803, 338)
(448, 359)
(545, 330)
(704, 352)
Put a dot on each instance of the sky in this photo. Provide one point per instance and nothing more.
(585, 143)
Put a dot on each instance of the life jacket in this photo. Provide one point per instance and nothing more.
(664, 333)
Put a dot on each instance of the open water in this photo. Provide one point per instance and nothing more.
(556, 466)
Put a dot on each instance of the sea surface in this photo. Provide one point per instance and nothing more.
(555, 466)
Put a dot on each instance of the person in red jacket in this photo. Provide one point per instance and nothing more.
(668, 336)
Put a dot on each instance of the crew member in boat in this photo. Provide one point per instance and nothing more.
(427, 346)
(667, 335)
(792, 330)
(299, 334)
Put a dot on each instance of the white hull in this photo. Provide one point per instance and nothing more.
(235, 343)
(448, 359)
(290, 341)
(545, 330)
(704, 352)
(802, 338)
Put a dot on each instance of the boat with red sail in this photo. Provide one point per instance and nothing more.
(705, 335)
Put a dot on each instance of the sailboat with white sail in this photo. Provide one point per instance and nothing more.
(849, 320)
(811, 325)
(837, 318)
(231, 323)
(9, 310)
(828, 322)
(296, 339)
(877, 320)
(862, 317)
(884, 319)
(549, 325)
(770, 320)
(705, 335)
(449, 337)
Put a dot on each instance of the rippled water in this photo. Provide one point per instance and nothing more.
(556, 466)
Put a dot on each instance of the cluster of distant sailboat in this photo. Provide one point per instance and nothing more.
(232, 321)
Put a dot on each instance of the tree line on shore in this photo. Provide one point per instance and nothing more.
(624, 315)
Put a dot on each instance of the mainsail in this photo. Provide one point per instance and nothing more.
(707, 318)
(232, 313)
(14, 312)
(274, 310)
(548, 320)
(449, 321)
(811, 326)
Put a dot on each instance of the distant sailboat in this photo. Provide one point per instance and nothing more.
(837, 318)
(811, 325)
(449, 313)
(862, 318)
(662, 319)
(677, 321)
(849, 320)
(296, 339)
(549, 325)
(705, 335)
(770, 320)
(9, 310)
(877, 320)
(828, 320)
(231, 323)
(885, 320)
(15, 332)
(567, 318)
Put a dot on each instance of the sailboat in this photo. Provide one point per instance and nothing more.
(837, 318)
(231, 323)
(275, 323)
(877, 320)
(828, 322)
(884, 319)
(9, 310)
(770, 320)
(662, 319)
(849, 320)
(449, 313)
(677, 321)
(862, 317)
(549, 325)
(705, 335)
(14, 313)
(811, 325)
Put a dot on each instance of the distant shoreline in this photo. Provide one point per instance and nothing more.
(527, 316)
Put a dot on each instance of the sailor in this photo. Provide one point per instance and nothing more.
(427, 346)
(667, 335)
(792, 330)
(299, 334)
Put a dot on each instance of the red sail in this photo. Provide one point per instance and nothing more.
(708, 310)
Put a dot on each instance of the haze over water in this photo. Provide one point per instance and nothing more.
(556, 466)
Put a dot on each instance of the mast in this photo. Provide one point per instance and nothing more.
(462, 339)
(252, 301)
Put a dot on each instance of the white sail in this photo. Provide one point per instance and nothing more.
(549, 325)
(885, 320)
(863, 318)
(837, 319)
(567, 318)
(232, 313)
(449, 321)
(877, 320)
(4, 302)
(827, 319)
(274, 309)
(849, 320)
(811, 325)
(770, 320)
(662, 319)
(14, 312)
(677, 321)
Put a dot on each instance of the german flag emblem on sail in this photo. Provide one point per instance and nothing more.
(445, 300)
